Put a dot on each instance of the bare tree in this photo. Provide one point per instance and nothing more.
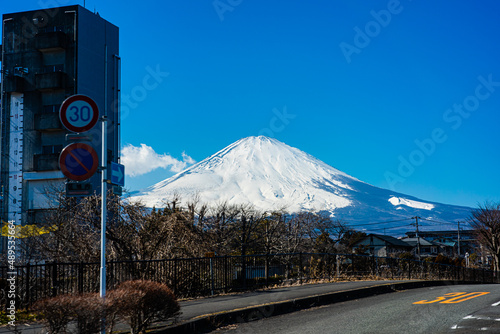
(218, 227)
(133, 232)
(485, 221)
(294, 237)
(137, 232)
(271, 230)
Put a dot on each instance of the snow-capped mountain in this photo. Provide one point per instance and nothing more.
(272, 175)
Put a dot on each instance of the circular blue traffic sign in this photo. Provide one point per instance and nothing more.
(79, 113)
(78, 161)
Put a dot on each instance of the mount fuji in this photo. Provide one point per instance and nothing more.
(271, 175)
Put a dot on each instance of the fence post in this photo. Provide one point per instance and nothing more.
(212, 275)
(337, 259)
(80, 277)
(300, 268)
(28, 294)
(244, 271)
(226, 274)
(266, 268)
(352, 265)
(54, 279)
(110, 280)
(175, 277)
(391, 267)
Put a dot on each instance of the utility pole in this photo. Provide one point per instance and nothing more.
(458, 223)
(416, 234)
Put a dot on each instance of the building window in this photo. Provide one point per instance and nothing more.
(51, 29)
(53, 68)
(48, 109)
(52, 149)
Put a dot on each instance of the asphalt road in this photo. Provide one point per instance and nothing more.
(195, 308)
(446, 309)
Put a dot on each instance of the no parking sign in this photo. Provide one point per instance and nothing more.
(78, 161)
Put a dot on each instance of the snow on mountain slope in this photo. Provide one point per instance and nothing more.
(261, 171)
(413, 204)
(272, 175)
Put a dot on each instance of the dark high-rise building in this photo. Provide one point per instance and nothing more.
(47, 56)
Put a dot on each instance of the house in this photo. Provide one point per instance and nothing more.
(454, 243)
(427, 248)
(382, 245)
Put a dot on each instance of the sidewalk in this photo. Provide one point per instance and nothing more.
(204, 314)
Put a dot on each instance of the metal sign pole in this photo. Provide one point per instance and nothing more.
(104, 163)
(103, 209)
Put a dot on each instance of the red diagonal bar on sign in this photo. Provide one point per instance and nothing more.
(78, 161)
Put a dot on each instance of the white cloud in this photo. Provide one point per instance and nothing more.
(139, 160)
(188, 159)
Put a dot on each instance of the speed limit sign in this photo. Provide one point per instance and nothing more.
(79, 113)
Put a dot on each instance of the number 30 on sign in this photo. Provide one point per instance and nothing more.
(79, 113)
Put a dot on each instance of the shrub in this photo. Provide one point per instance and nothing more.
(141, 302)
(86, 310)
(442, 259)
(55, 312)
(406, 256)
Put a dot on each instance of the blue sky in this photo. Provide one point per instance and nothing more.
(403, 94)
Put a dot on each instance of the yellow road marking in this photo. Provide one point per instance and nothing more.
(464, 297)
(453, 298)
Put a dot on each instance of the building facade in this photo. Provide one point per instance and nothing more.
(456, 243)
(47, 56)
(382, 245)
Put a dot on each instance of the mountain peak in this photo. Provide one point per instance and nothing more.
(272, 175)
(254, 142)
(259, 170)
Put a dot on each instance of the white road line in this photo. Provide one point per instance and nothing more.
(496, 304)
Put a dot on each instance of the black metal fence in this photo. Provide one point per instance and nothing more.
(214, 275)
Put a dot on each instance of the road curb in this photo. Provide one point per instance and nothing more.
(210, 322)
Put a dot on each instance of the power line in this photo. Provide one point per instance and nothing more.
(445, 222)
(378, 223)
(387, 228)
